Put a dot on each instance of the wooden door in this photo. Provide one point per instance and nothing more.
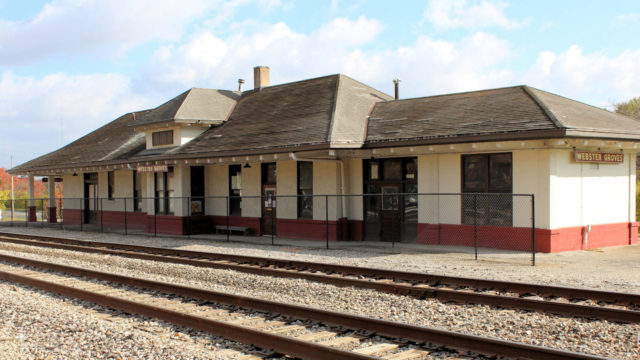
(91, 203)
(390, 213)
(268, 221)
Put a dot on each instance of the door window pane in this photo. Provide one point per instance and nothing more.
(389, 198)
(490, 175)
(305, 189)
(500, 173)
(392, 169)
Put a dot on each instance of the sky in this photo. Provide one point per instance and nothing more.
(68, 67)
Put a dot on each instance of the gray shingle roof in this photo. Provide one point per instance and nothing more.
(115, 141)
(491, 113)
(337, 112)
(207, 106)
(307, 112)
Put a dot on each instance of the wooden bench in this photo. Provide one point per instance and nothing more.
(245, 230)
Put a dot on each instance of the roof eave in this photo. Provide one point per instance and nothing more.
(520, 135)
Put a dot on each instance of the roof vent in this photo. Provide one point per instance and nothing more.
(240, 83)
(260, 77)
(396, 86)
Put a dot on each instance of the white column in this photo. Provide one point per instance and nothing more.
(31, 211)
(32, 201)
(52, 200)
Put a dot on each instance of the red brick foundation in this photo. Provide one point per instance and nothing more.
(33, 214)
(510, 238)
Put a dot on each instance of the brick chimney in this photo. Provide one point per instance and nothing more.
(260, 77)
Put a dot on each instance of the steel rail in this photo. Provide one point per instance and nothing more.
(266, 340)
(189, 258)
(477, 344)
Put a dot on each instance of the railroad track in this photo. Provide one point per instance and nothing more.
(612, 306)
(297, 331)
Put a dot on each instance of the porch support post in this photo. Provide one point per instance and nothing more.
(32, 215)
(52, 201)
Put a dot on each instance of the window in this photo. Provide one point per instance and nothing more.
(110, 187)
(137, 191)
(269, 174)
(305, 190)
(490, 177)
(164, 185)
(235, 190)
(162, 138)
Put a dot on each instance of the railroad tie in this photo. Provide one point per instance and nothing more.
(339, 341)
(286, 329)
(377, 348)
(317, 335)
(407, 355)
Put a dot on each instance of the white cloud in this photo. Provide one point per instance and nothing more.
(445, 14)
(427, 66)
(38, 115)
(592, 77)
(91, 26)
(626, 19)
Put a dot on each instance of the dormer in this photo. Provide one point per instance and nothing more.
(186, 116)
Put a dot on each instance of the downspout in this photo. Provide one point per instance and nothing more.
(341, 163)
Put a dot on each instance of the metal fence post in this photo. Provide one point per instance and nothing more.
(155, 222)
(125, 215)
(61, 214)
(82, 214)
(189, 217)
(101, 217)
(475, 223)
(326, 217)
(42, 212)
(273, 228)
(533, 230)
(227, 217)
(26, 212)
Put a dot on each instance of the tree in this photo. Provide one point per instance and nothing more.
(629, 108)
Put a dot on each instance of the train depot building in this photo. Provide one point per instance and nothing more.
(332, 157)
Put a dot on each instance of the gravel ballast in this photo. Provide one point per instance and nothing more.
(595, 337)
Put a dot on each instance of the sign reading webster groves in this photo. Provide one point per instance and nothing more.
(598, 157)
(153, 168)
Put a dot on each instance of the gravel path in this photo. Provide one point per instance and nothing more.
(597, 337)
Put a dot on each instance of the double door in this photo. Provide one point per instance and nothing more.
(91, 202)
(391, 212)
(268, 220)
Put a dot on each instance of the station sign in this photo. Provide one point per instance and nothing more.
(598, 157)
(153, 168)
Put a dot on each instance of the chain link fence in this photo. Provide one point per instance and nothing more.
(471, 223)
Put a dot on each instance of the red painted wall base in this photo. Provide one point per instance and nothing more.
(33, 214)
(577, 238)
(52, 215)
(510, 238)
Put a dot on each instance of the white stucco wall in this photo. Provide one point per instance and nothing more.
(589, 194)
(252, 186)
(353, 179)
(449, 181)
(428, 183)
(287, 184)
(216, 183)
(531, 169)
(326, 180)
(73, 190)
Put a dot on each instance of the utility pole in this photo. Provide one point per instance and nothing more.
(12, 198)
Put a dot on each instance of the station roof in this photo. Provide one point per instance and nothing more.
(496, 114)
(113, 142)
(335, 112)
(196, 105)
